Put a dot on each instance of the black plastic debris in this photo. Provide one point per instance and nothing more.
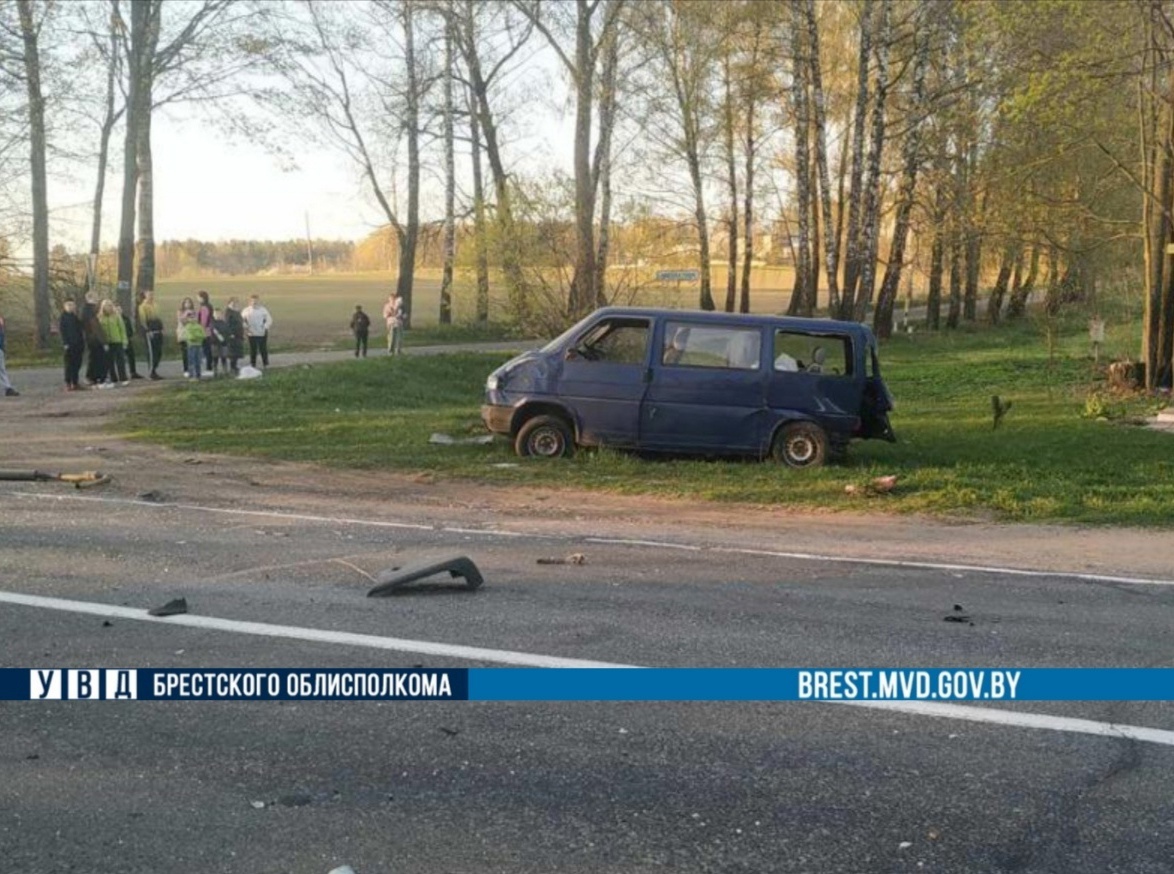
(957, 617)
(174, 607)
(455, 565)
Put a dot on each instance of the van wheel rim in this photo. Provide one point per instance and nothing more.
(546, 442)
(801, 449)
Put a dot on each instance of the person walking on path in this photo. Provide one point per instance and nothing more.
(95, 340)
(152, 327)
(393, 314)
(5, 386)
(361, 327)
(257, 324)
(115, 332)
(73, 339)
(236, 333)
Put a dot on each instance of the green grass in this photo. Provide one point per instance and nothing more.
(1045, 463)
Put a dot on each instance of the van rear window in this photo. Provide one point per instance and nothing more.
(688, 345)
(823, 354)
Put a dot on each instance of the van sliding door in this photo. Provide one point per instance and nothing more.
(706, 391)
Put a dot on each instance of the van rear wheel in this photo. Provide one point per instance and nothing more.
(800, 444)
(544, 437)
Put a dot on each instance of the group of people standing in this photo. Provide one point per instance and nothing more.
(100, 335)
(211, 340)
(393, 317)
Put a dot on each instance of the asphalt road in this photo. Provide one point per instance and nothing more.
(551, 787)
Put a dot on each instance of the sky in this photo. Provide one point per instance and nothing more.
(210, 186)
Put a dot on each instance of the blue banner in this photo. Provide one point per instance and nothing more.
(588, 684)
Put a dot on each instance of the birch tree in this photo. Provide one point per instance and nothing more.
(579, 35)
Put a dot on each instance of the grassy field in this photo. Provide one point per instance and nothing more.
(1047, 462)
(314, 312)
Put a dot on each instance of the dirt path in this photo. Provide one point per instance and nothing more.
(51, 430)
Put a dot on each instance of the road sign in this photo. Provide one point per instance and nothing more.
(678, 275)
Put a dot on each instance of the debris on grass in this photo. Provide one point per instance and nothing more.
(881, 485)
(448, 440)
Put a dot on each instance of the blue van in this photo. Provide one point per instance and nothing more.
(689, 382)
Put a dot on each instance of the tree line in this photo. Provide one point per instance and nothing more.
(996, 149)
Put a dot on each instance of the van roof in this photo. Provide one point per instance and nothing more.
(831, 326)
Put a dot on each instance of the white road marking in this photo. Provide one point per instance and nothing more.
(506, 657)
(314, 635)
(941, 566)
(1023, 720)
(659, 544)
(651, 544)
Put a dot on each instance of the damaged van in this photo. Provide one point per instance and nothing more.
(676, 381)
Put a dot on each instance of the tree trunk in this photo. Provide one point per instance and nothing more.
(108, 122)
(802, 172)
(973, 266)
(852, 256)
(137, 60)
(749, 151)
(883, 317)
(450, 229)
(411, 235)
(582, 294)
(511, 264)
(831, 254)
(811, 303)
(1017, 305)
(1007, 264)
(955, 311)
(731, 183)
(601, 171)
(701, 218)
(145, 279)
(870, 221)
(480, 243)
(933, 303)
(37, 161)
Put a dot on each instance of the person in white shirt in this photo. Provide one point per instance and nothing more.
(393, 315)
(257, 324)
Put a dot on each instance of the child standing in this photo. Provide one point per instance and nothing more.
(193, 335)
(114, 330)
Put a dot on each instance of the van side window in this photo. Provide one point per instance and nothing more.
(821, 354)
(707, 346)
(620, 341)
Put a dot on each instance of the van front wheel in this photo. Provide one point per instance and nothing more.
(800, 444)
(544, 437)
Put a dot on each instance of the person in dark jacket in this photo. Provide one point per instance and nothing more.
(361, 327)
(236, 333)
(152, 327)
(129, 327)
(73, 338)
(95, 340)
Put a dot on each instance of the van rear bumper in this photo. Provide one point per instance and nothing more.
(497, 418)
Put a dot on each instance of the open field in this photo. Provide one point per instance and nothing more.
(313, 312)
(1046, 462)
